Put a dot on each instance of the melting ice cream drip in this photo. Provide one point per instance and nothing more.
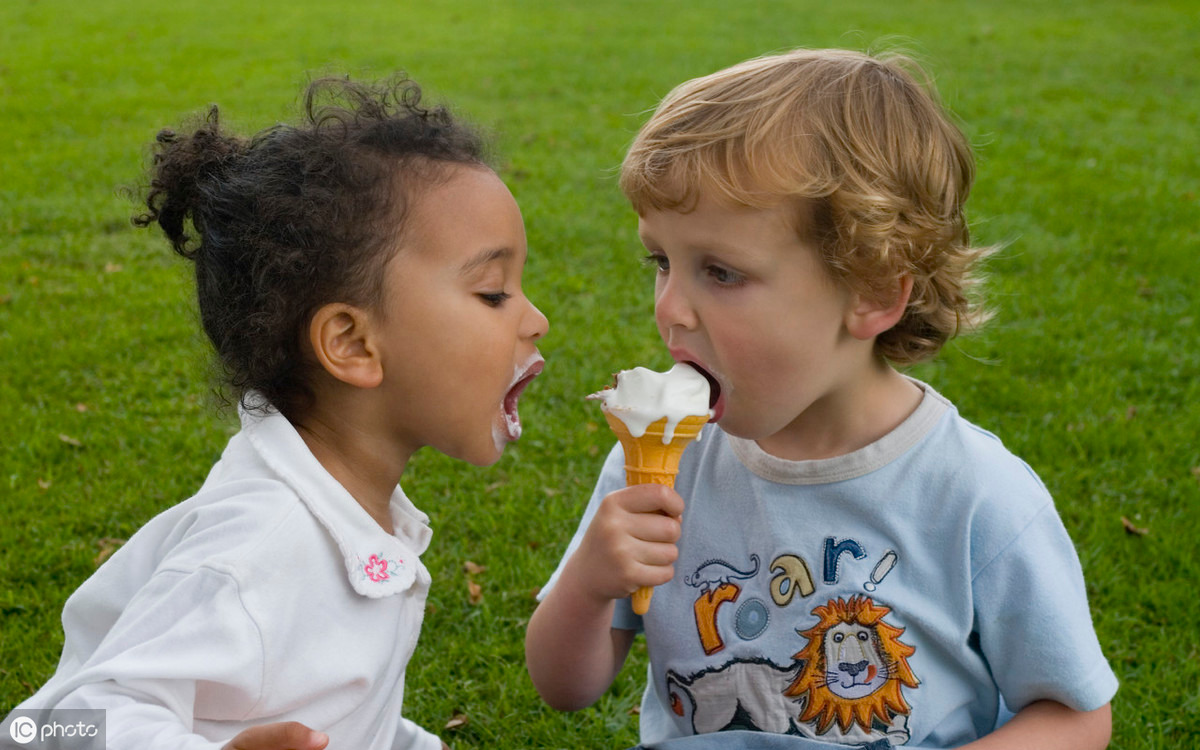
(642, 397)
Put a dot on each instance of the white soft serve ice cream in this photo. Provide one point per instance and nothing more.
(641, 397)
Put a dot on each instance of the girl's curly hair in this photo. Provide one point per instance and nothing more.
(861, 143)
(296, 217)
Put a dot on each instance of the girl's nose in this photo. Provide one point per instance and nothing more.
(536, 325)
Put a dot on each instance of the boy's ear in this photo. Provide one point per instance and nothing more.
(339, 335)
(868, 318)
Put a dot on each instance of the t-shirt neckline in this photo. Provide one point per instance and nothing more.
(857, 463)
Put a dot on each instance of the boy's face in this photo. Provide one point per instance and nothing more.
(740, 293)
(458, 336)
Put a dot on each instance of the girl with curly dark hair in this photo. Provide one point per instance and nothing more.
(359, 276)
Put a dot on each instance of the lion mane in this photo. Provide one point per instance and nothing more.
(885, 702)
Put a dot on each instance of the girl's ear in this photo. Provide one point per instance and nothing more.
(868, 318)
(339, 335)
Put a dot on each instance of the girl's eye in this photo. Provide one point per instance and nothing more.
(495, 299)
(658, 261)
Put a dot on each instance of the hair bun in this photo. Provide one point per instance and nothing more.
(183, 169)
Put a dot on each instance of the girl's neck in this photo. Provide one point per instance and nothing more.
(356, 458)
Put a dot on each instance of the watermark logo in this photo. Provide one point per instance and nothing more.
(61, 729)
(23, 730)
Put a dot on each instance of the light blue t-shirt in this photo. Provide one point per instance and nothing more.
(896, 593)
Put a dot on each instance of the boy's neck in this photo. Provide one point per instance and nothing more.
(355, 457)
(848, 418)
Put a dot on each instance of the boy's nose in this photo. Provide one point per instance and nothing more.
(671, 305)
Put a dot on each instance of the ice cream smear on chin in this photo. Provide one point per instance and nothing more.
(642, 397)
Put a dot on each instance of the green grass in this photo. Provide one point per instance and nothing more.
(1084, 115)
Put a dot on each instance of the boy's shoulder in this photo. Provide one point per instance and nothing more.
(976, 453)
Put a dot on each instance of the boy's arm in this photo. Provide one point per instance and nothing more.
(572, 651)
(1049, 725)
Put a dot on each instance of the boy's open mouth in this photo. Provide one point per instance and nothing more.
(714, 390)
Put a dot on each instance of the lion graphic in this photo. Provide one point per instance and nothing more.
(854, 667)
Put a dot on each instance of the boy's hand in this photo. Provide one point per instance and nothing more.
(287, 735)
(631, 541)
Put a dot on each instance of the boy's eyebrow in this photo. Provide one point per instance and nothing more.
(485, 257)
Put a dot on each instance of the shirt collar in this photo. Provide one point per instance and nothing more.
(378, 564)
(851, 465)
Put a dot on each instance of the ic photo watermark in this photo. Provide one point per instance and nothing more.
(57, 729)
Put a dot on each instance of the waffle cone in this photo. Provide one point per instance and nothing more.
(648, 460)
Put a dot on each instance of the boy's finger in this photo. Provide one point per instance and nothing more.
(652, 498)
(658, 528)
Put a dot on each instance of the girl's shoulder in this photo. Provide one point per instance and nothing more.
(232, 526)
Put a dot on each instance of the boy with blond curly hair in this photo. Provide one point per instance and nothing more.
(846, 559)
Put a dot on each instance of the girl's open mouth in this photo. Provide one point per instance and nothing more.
(512, 419)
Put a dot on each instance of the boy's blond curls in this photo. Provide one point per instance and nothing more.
(878, 172)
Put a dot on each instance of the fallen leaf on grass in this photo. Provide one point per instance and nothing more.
(474, 592)
(1196, 472)
(81, 407)
(70, 440)
(107, 545)
(113, 267)
(456, 721)
(1131, 529)
(44, 484)
(471, 568)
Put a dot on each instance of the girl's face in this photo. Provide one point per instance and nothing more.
(458, 336)
(740, 294)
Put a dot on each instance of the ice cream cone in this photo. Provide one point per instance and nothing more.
(648, 460)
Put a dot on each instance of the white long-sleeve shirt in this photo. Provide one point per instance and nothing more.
(271, 595)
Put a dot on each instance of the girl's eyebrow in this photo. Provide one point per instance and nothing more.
(485, 257)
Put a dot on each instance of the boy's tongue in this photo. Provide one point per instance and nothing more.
(641, 397)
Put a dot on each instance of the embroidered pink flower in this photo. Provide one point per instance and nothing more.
(376, 569)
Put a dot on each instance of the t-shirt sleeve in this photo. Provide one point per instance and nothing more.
(611, 478)
(1034, 624)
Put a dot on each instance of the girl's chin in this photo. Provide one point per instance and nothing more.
(504, 431)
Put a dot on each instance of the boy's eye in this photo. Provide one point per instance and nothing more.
(724, 276)
(658, 261)
(495, 299)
